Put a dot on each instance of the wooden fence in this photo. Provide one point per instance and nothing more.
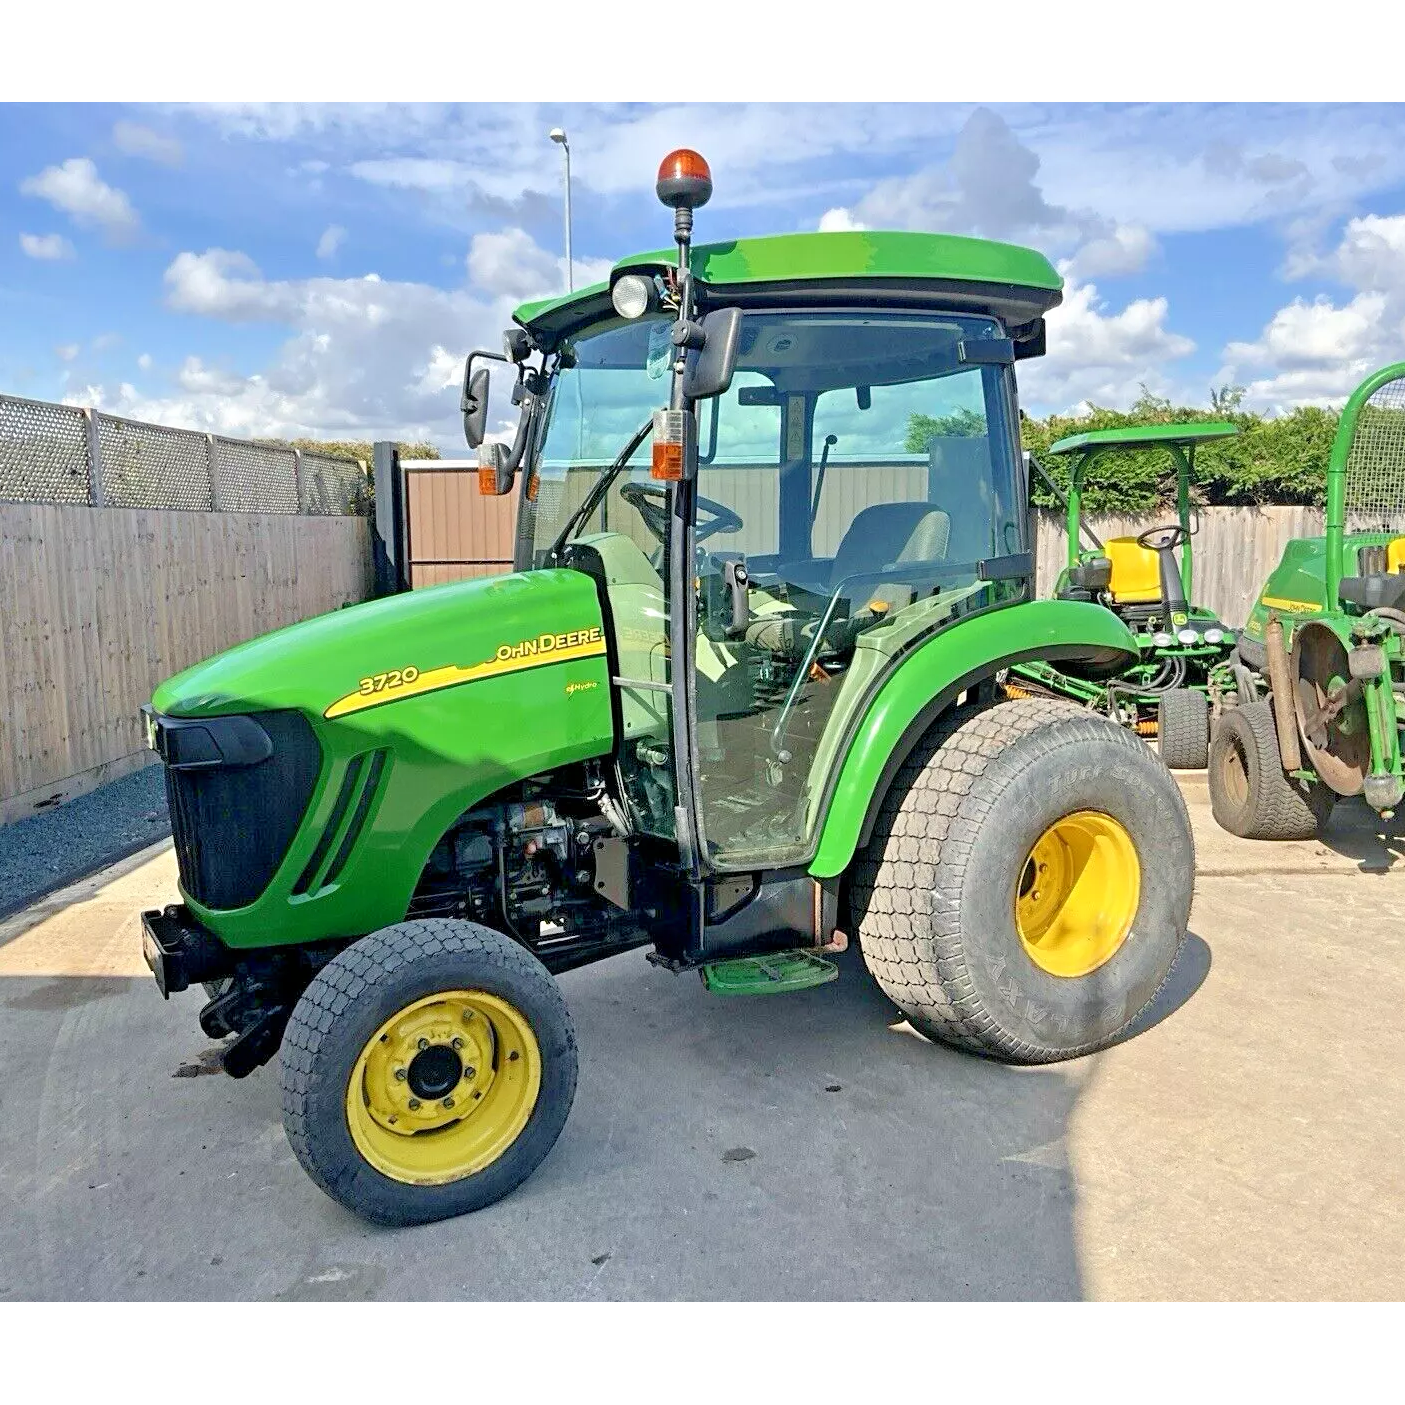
(98, 605)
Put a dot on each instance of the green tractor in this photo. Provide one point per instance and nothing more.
(737, 699)
(1320, 664)
(1182, 648)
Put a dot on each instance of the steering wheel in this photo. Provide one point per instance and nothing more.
(1175, 535)
(650, 502)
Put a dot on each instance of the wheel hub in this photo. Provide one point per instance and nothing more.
(1077, 894)
(443, 1087)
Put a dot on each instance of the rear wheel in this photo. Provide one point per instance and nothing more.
(427, 1071)
(1250, 794)
(1028, 883)
(1183, 729)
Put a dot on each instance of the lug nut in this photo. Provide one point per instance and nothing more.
(400, 1075)
(469, 1072)
(467, 1015)
(414, 1104)
(424, 1043)
(478, 1095)
(448, 1102)
(458, 1043)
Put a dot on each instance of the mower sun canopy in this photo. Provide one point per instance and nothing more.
(1144, 436)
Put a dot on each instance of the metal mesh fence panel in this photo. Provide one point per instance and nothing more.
(330, 486)
(255, 477)
(43, 452)
(148, 465)
(1375, 466)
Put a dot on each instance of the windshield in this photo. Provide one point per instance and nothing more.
(815, 396)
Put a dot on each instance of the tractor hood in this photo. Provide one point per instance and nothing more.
(366, 657)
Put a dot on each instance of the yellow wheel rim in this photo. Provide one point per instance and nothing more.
(444, 1087)
(1078, 894)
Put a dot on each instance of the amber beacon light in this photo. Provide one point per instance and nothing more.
(684, 182)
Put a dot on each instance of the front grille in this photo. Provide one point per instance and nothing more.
(233, 824)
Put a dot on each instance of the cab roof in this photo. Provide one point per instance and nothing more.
(1144, 436)
(1016, 284)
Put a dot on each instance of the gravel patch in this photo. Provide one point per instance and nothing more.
(56, 847)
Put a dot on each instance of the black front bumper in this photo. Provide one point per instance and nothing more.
(181, 952)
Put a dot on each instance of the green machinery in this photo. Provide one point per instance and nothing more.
(1182, 648)
(1320, 664)
(737, 700)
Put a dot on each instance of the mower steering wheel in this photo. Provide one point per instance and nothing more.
(649, 501)
(1175, 535)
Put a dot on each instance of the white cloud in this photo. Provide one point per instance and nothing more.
(46, 246)
(1317, 351)
(68, 351)
(330, 241)
(838, 221)
(1100, 357)
(989, 188)
(136, 140)
(144, 361)
(76, 188)
(366, 358)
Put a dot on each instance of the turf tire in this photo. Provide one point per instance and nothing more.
(1250, 793)
(1183, 729)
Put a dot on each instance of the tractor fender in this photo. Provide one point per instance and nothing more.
(913, 695)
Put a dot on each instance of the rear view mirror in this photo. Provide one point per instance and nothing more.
(864, 395)
(710, 372)
(474, 403)
(496, 468)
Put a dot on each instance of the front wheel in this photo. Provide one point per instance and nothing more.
(1028, 884)
(1183, 729)
(1250, 793)
(427, 1071)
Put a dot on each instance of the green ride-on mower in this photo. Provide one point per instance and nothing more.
(1320, 665)
(737, 700)
(1182, 648)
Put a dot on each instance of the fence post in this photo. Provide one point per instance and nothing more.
(212, 469)
(97, 491)
(297, 480)
(387, 525)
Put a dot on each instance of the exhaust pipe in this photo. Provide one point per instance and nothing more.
(1278, 680)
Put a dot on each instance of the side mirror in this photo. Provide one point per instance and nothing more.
(496, 469)
(474, 403)
(710, 372)
(863, 394)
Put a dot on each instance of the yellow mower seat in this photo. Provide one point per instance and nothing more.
(1395, 555)
(1136, 572)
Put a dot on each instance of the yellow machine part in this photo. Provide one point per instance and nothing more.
(1136, 573)
(1395, 555)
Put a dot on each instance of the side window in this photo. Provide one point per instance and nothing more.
(924, 441)
(739, 465)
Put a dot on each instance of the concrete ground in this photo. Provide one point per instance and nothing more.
(1247, 1144)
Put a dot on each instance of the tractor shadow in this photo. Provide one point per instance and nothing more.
(818, 1146)
(1355, 831)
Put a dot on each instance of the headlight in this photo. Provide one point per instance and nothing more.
(1162, 640)
(1187, 636)
(632, 295)
(1214, 636)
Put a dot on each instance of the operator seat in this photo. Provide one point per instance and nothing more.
(889, 534)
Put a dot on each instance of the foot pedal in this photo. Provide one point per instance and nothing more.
(772, 974)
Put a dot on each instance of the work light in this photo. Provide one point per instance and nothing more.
(633, 295)
(1162, 640)
(1214, 636)
(1187, 636)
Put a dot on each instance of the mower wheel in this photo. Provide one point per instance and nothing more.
(1027, 887)
(1250, 793)
(1183, 729)
(427, 1071)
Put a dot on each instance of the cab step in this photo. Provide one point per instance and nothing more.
(773, 974)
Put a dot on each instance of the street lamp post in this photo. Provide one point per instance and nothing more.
(558, 135)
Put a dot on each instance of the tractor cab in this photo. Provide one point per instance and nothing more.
(837, 476)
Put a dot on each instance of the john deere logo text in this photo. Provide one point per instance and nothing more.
(548, 643)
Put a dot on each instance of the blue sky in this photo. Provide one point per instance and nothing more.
(315, 269)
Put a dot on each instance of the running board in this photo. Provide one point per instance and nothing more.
(772, 974)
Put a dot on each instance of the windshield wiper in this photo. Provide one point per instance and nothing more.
(602, 486)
